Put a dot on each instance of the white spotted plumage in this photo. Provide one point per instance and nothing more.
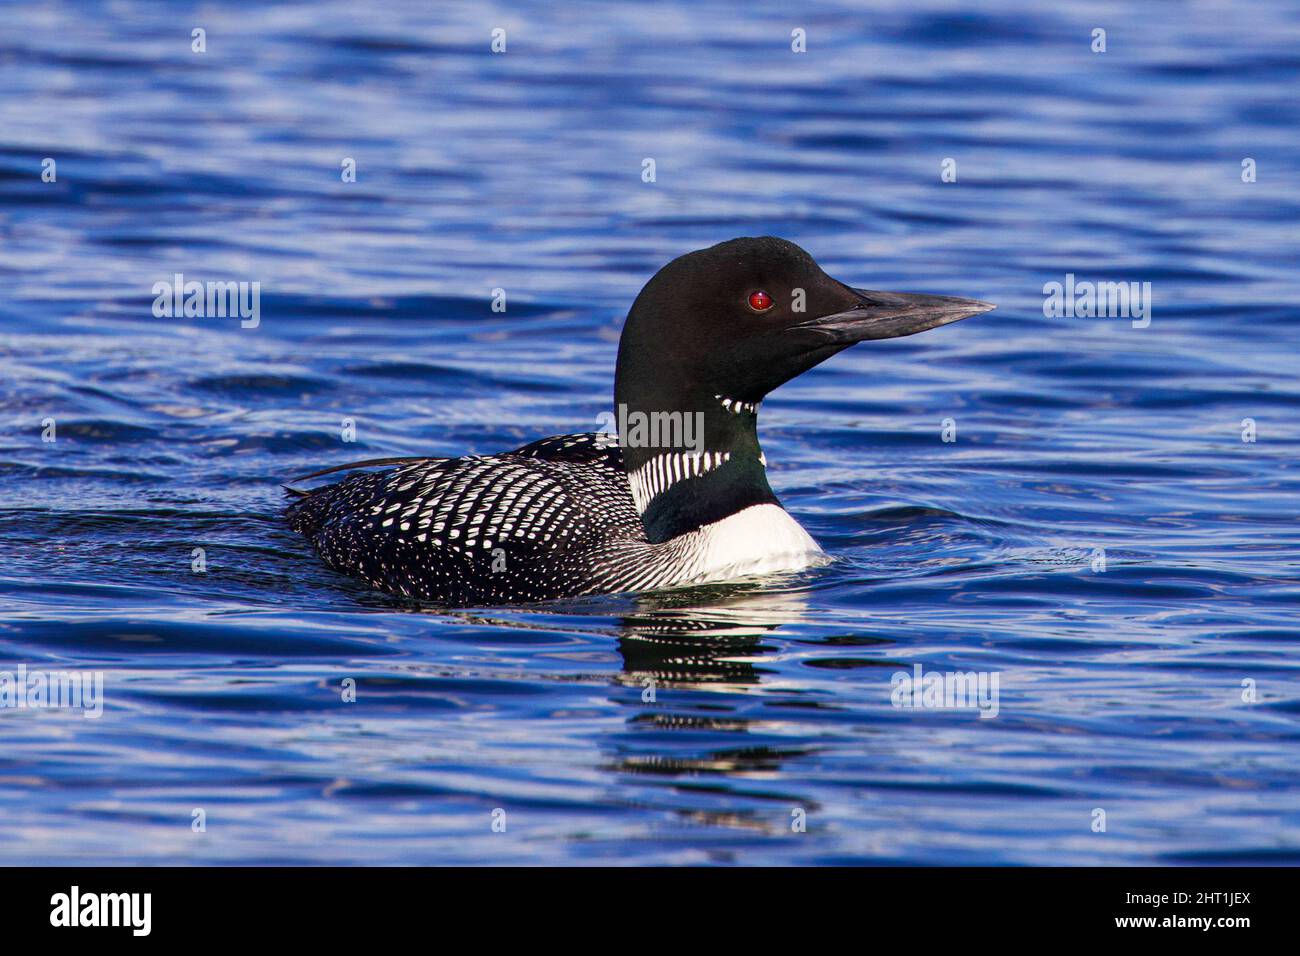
(555, 518)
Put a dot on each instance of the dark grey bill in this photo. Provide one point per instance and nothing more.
(888, 315)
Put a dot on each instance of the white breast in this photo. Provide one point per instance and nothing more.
(761, 539)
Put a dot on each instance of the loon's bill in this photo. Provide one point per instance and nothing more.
(710, 335)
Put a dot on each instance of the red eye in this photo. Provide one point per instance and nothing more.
(760, 301)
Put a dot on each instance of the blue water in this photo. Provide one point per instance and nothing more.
(1121, 685)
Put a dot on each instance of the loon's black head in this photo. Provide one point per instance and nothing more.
(708, 338)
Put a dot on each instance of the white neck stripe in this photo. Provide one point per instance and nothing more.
(663, 471)
(735, 407)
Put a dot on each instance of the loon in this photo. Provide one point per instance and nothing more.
(710, 335)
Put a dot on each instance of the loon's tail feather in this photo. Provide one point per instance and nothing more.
(368, 463)
(300, 493)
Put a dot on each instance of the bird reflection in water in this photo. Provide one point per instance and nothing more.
(694, 659)
(690, 638)
(708, 730)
